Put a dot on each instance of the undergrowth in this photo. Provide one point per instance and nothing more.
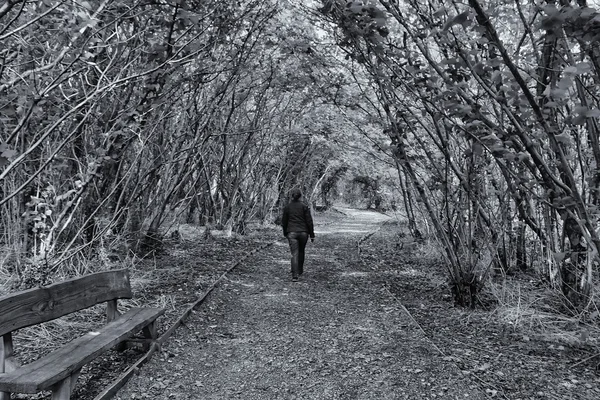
(520, 303)
(537, 310)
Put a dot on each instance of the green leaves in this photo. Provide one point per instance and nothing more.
(365, 20)
(6, 154)
(564, 138)
(553, 19)
(356, 7)
(440, 12)
(460, 19)
(582, 113)
(578, 69)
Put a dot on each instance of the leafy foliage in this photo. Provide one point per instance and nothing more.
(496, 136)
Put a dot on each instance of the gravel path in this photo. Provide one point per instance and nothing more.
(336, 334)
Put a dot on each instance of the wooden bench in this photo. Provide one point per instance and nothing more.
(58, 371)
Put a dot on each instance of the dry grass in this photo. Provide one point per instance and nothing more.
(8, 276)
(187, 231)
(532, 310)
(539, 312)
(426, 251)
(195, 233)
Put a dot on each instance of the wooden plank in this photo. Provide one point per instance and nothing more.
(43, 304)
(53, 368)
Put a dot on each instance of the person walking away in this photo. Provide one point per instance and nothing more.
(297, 227)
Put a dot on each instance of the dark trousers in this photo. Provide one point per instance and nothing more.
(297, 242)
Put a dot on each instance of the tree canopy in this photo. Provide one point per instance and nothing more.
(118, 119)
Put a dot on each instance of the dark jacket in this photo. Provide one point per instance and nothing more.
(297, 218)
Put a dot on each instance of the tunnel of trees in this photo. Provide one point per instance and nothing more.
(121, 118)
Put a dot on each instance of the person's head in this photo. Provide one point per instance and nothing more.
(295, 194)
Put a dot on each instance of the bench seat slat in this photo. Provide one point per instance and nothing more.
(56, 366)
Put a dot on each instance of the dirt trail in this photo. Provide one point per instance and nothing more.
(336, 334)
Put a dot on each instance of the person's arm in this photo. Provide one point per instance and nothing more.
(285, 219)
(309, 222)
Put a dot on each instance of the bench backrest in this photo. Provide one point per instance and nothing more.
(34, 306)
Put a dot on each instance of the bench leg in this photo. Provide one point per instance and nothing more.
(6, 352)
(63, 389)
(112, 312)
(150, 334)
